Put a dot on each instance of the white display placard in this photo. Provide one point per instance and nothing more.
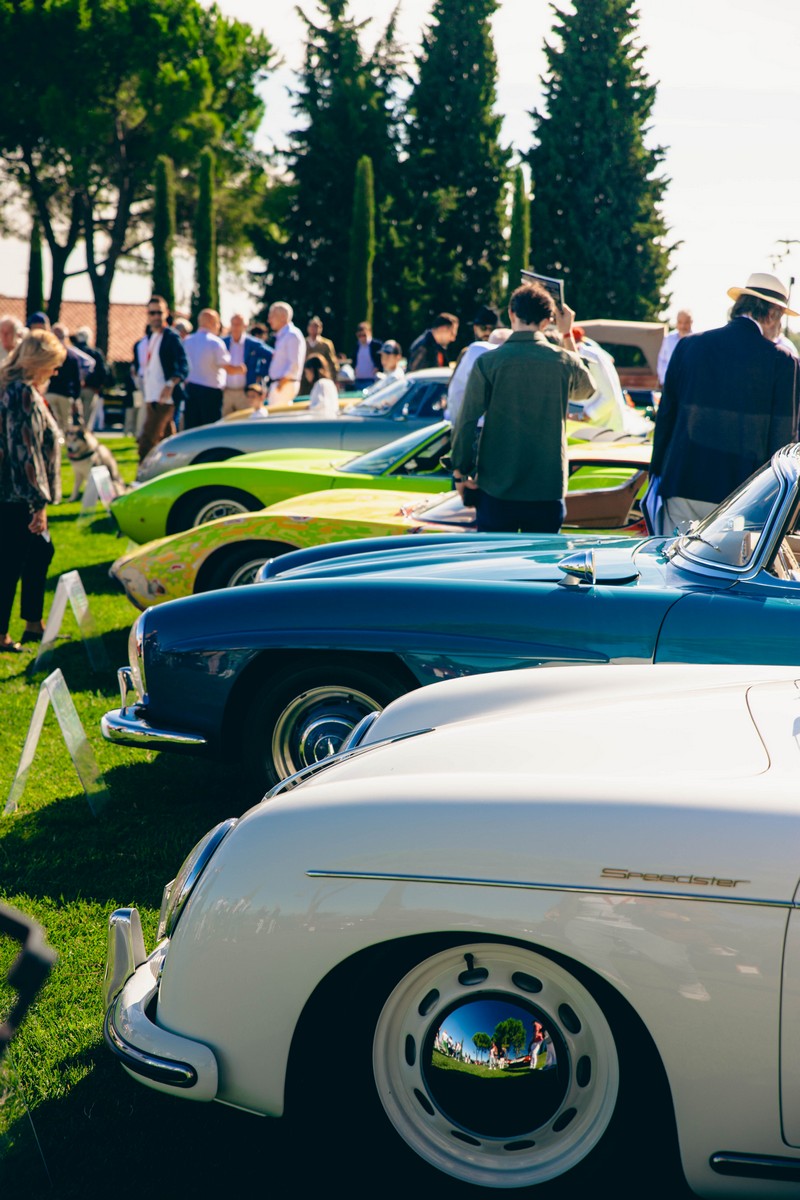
(70, 589)
(54, 691)
(99, 490)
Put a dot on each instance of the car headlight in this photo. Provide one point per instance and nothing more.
(136, 655)
(178, 890)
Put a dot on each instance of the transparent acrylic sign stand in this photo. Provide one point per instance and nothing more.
(54, 691)
(70, 589)
(99, 490)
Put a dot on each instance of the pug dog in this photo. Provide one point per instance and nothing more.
(84, 452)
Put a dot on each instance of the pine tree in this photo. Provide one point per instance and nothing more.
(347, 108)
(164, 230)
(206, 294)
(362, 246)
(456, 171)
(596, 190)
(35, 300)
(519, 241)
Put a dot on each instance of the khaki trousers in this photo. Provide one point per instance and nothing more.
(234, 400)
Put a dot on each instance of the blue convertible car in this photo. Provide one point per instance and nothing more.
(279, 673)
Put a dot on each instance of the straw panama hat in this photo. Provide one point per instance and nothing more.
(765, 287)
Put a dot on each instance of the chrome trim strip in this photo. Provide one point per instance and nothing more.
(756, 1166)
(122, 727)
(387, 877)
(161, 1070)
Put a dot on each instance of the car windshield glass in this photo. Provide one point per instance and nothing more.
(381, 400)
(446, 510)
(415, 454)
(729, 537)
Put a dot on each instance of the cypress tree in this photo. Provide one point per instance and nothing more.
(164, 229)
(346, 105)
(206, 294)
(519, 242)
(362, 246)
(456, 169)
(596, 190)
(35, 298)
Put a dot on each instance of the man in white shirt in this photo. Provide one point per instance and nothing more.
(683, 327)
(165, 366)
(209, 362)
(288, 356)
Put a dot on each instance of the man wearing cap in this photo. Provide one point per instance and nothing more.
(730, 400)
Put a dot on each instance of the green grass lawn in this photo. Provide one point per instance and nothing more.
(97, 1129)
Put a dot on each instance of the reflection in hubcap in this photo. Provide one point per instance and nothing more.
(492, 1066)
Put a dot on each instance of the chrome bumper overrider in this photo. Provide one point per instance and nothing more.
(165, 1061)
(126, 728)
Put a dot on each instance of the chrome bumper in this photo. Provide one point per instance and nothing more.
(164, 1061)
(126, 728)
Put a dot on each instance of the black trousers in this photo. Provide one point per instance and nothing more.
(518, 516)
(203, 405)
(23, 555)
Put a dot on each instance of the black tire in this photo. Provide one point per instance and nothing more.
(237, 565)
(303, 715)
(209, 504)
(608, 1113)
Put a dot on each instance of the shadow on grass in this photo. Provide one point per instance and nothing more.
(157, 812)
(111, 1136)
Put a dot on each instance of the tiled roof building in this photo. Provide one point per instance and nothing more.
(126, 322)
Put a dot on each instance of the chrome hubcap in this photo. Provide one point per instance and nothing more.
(246, 573)
(216, 509)
(316, 724)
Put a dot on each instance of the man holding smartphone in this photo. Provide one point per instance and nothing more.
(514, 469)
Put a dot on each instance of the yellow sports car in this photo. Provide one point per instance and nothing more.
(604, 485)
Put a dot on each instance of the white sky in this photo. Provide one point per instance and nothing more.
(726, 110)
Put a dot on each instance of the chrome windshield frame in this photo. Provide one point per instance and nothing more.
(786, 465)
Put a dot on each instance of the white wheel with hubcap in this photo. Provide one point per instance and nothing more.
(513, 1116)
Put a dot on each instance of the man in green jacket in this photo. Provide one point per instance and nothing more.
(516, 474)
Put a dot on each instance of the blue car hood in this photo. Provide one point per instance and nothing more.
(509, 557)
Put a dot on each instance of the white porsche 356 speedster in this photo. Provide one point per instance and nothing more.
(558, 910)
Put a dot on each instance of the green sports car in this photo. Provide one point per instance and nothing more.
(195, 495)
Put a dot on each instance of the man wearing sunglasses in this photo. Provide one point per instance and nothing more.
(165, 366)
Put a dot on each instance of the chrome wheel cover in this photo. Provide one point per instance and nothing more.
(315, 724)
(581, 1104)
(246, 573)
(215, 509)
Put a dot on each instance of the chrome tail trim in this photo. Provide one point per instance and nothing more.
(756, 1166)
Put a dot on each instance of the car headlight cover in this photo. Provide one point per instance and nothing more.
(178, 891)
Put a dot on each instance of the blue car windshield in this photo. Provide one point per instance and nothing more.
(730, 535)
(417, 453)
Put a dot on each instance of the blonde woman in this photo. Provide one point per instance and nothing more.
(30, 479)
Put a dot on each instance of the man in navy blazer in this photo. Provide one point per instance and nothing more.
(245, 351)
(730, 400)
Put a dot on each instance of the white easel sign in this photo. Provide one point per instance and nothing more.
(99, 490)
(70, 589)
(54, 691)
